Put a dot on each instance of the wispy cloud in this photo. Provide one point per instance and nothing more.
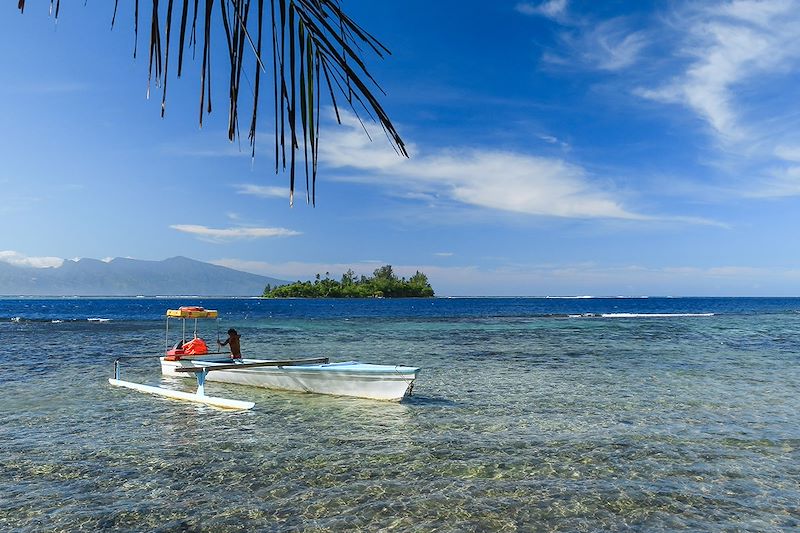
(740, 53)
(22, 260)
(780, 183)
(609, 45)
(728, 63)
(490, 179)
(729, 45)
(552, 9)
(788, 153)
(550, 139)
(227, 234)
(444, 254)
(262, 191)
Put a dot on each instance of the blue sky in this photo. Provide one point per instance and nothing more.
(558, 148)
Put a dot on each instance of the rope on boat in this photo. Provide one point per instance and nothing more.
(410, 388)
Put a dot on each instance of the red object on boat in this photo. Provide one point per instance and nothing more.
(196, 346)
(174, 354)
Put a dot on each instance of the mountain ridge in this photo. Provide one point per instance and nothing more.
(175, 276)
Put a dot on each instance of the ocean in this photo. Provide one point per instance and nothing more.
(529, 414)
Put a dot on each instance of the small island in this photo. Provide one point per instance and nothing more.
(384, 283)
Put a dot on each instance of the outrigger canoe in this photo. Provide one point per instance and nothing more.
(319, 375)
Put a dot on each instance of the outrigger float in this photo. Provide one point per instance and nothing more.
(317, 375)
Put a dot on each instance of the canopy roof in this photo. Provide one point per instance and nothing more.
(192, 312)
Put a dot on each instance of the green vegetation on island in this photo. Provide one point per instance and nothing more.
(383, 284)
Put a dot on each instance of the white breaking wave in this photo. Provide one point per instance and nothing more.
(652, 315)
(99, 319)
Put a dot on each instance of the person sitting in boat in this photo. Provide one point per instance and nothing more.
(233, 341)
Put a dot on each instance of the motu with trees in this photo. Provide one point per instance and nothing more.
(384, 283)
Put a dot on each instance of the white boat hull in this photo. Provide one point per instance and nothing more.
(377, 382)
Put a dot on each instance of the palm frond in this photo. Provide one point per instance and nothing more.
(315, 45)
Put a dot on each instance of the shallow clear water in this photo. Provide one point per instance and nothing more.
(523, 418)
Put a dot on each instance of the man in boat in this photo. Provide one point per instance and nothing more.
(233, 341)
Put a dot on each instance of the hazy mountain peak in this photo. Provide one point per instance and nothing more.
(131, 277)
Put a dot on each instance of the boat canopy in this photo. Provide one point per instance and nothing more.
(191, 312)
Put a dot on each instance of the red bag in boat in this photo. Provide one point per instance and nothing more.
(196, 346)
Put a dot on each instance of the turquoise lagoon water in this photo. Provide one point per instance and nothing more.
(528, 415)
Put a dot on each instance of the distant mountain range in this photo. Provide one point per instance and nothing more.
(131, 277)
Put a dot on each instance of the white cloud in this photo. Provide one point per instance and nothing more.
(22, 260)
(492, 179)
(612, 46)
(758, 12)
(740, 58)
(783, 182)
(263, 191)
(608, 45)
(550, 139)
(224, 234)
(730, 44)
(552, 9)
(444, 254)
(788, 153)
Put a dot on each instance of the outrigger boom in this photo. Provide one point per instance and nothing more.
(240, 366)
(198, 397)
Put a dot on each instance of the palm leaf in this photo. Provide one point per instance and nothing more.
(315, 44)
